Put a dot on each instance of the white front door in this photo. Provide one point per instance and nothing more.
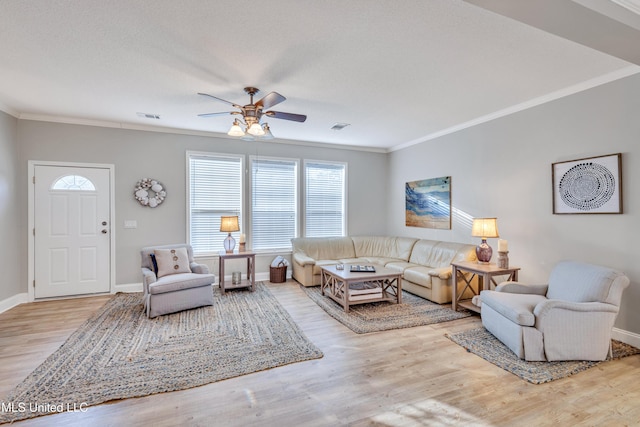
(71, 234)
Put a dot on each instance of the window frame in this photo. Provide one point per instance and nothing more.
(250, 200)
(345, 222)
(241, 213)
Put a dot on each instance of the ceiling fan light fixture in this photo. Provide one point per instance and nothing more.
(267, 132)
(256, 130)
(235, 130)
(251, 129)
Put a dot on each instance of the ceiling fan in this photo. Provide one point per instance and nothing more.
(252, 113)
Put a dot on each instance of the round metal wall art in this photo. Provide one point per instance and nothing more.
(149, 192)
(587, 186)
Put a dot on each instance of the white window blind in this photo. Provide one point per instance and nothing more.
(215, 190)
(324, 199)
(274, 207)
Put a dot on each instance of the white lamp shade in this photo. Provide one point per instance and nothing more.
(229, 224)
(235, 130)
(267, 132)
(256, 130)
(485, 228)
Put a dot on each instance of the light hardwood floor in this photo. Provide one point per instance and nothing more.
(406, 377)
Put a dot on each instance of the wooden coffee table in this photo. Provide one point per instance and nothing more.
(335, 284)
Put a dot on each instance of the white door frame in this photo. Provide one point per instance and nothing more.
(31, 219)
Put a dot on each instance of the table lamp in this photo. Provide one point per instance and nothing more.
(484, 228)
(229, 224)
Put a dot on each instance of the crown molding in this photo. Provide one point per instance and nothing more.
(570, 90)
(177, 131)
(5, 108)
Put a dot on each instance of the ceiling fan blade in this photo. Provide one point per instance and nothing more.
(286, 116)
(224, 113)
(220, 99)
(270, 100)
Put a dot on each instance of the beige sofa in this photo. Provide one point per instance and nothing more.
(425, 264)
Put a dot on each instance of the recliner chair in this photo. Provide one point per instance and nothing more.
(190, 287)
(571, 318)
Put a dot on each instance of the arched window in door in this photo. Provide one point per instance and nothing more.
(73, 182)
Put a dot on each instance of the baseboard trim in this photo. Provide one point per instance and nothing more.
(11, 302)
(627, 337)
(128, 288)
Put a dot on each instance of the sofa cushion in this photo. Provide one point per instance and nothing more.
(440, 254)
(380, 260)
(382, 246)
(400, 266)
(516, 307)
(177, 282)
(421, 253)
(317, 269)
(324, 247)
(419, 275)
(351, 260)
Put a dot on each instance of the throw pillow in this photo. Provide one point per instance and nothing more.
(154, 263)
(172, 261)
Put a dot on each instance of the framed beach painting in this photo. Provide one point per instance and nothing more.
(588, 186)
(428, 203)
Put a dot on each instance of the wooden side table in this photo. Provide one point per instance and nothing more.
(249, 282)
(485, 273)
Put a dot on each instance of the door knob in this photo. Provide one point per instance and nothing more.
(104, 231)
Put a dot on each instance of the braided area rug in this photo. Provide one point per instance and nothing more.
(119, 353)
(382, 316)
(481, 342)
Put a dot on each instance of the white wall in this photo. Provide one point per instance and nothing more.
(141, 154)
(11, 282)
(503, 169)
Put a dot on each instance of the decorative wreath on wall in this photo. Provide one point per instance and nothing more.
(149, 192)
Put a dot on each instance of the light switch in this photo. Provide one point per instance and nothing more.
(130, 223)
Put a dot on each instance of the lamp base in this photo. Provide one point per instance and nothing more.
(484, 252)
(229, 244)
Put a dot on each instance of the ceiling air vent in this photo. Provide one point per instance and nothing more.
(340, 126)
(149, 116)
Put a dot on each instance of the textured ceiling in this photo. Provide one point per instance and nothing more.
(397, 72)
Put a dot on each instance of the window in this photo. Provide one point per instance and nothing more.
(214, 190)
(274, 207)
(73, 182)
(324, 199)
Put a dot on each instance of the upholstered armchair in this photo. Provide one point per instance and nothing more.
(172, 281)
(571, 318)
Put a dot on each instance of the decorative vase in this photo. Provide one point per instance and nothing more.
(236, 278)
(503, 259)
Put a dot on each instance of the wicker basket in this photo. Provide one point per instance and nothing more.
(278, 274)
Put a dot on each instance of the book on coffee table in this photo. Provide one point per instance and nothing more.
(363, 269)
